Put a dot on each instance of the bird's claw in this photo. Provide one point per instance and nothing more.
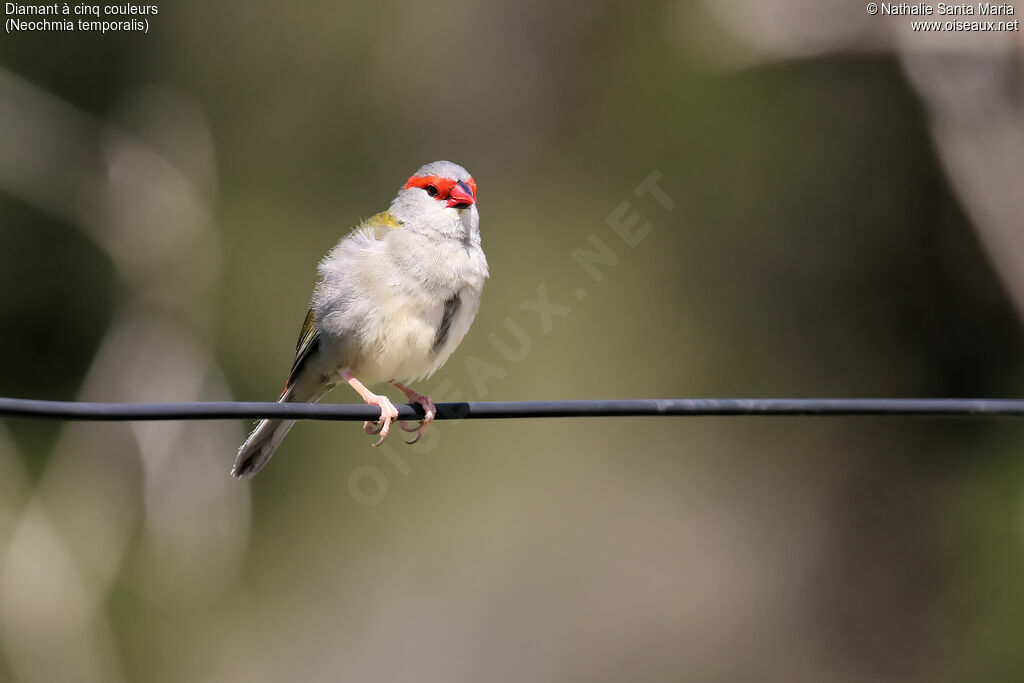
(388, 412)
(417, 427)
(429, 411)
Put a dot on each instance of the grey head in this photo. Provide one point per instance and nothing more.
(439, 199)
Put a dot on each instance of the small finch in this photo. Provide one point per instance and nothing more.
(394, 299)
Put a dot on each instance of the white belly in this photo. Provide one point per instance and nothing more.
(399, 343)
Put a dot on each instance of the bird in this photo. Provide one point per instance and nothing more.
(394, 299)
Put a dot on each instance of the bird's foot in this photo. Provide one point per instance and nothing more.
(429, 410)
(388, 411)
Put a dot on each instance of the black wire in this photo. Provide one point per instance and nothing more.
(221, 410)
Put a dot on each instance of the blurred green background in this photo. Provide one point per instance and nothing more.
(844, 224)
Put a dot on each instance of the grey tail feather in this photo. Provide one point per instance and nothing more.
(261, 444)
(264, 440)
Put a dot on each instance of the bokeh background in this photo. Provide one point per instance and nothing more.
(845, 220)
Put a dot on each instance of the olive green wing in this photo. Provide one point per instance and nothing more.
(309, 341)
(379, 225)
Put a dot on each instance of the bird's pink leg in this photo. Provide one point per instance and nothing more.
(428, 408)
(388, 411)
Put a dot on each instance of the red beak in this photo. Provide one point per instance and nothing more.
(461, 196)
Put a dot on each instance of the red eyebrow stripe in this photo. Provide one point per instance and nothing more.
(444, 185)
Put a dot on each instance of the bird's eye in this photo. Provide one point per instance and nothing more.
(431, 190)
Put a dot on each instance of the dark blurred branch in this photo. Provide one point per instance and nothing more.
(221, 410)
